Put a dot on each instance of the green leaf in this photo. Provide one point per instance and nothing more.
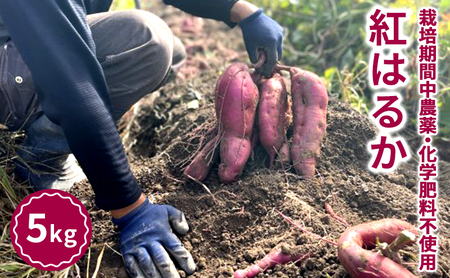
(444, 5)
(444, 113)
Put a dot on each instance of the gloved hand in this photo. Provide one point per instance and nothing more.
(146, 239)
(263, 33)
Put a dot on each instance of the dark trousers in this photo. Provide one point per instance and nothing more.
(135, 49)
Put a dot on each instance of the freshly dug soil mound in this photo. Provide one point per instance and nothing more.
(236, 224)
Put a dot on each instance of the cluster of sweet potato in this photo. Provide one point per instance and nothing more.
(250, 108)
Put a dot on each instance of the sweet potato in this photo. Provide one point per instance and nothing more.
(276, 257)
(363, 263)
(272, 115)
(236, 101)
(199, 168)
(309, 106)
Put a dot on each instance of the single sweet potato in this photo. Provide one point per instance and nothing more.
(236, 101)
(363, 263)
(309, 106)
(199, 168)
(275, 257)
(272, 115)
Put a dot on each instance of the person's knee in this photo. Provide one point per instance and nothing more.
(152, 33)
(135, 49)
(149, 28)
(179, 54)
(144, 33)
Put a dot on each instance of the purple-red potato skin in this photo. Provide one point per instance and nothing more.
(234, 152)
(309, 106)
(272, 115)
(269, 261)
(199, 168)
(363, 263)
(236, 101)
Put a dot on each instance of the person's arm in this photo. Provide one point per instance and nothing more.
(121, 212)
(228, 11)
(260, 32)
(56, 44)
(213, 9)
(241, 10)
(97, 6)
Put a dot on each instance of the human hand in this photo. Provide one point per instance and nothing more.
(262, 33)
(146, 239)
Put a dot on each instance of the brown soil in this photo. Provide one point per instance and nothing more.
(236, 225)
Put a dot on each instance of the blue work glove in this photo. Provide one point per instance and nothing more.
(262, 33)
(146, 240)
